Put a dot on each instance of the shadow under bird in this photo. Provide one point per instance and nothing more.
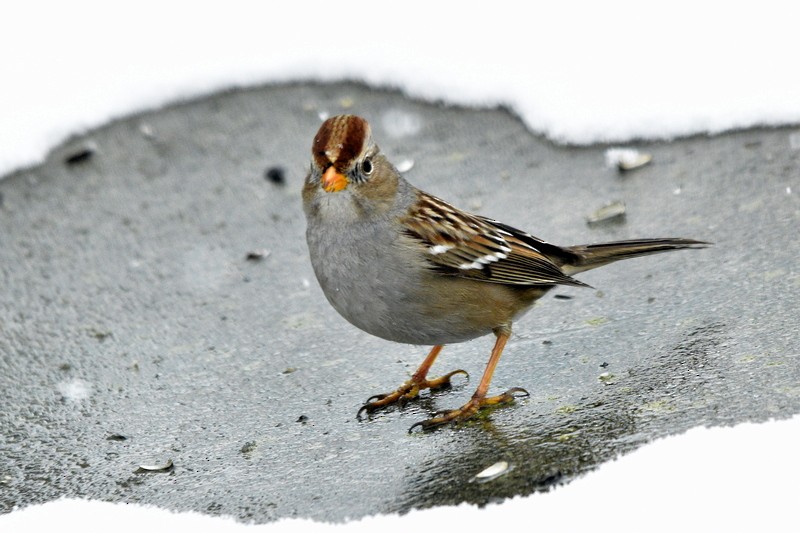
(408, 267)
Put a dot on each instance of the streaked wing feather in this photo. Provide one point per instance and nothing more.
(475, 247)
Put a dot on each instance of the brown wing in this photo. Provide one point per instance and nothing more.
(465, 245)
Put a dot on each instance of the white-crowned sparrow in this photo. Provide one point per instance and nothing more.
(405, 266)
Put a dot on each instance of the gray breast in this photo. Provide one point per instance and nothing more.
(366, 276)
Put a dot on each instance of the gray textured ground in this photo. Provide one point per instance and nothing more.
(134, 330)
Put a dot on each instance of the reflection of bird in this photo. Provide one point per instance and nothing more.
(405, 266)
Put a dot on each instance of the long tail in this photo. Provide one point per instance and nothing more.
(588, 256)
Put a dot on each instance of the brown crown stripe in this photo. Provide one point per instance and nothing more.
(339, 141)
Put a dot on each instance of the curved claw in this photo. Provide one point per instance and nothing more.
(441, 418)
(400, 396)
(425, 425)
(374, 398)
(417, 424)
(372, 403)
(364, 408)
(444, 381)
(507, 397)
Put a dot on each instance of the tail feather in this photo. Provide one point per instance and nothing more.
(589, 256)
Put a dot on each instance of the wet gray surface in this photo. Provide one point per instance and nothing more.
(135, 330)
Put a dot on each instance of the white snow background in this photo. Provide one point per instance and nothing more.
(578, 72)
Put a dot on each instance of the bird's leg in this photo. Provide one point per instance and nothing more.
(479, 399)
(410, 389)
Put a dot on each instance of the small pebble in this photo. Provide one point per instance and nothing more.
(257, 255)
(606, 378)
(405, 165)
(146, 130)
(626, 158)
(614, 211)
(155, 468)
(492, 472)
(276, 175)
(80, 155)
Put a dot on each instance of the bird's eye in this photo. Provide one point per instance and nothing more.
(366, 167)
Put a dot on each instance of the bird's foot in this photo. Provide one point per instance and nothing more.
(469, 409)
(407, 391)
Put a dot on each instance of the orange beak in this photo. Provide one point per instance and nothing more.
(333, 181)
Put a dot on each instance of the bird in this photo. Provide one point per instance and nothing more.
(406, 266)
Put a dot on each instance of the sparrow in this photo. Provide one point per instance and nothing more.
(406, 266)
